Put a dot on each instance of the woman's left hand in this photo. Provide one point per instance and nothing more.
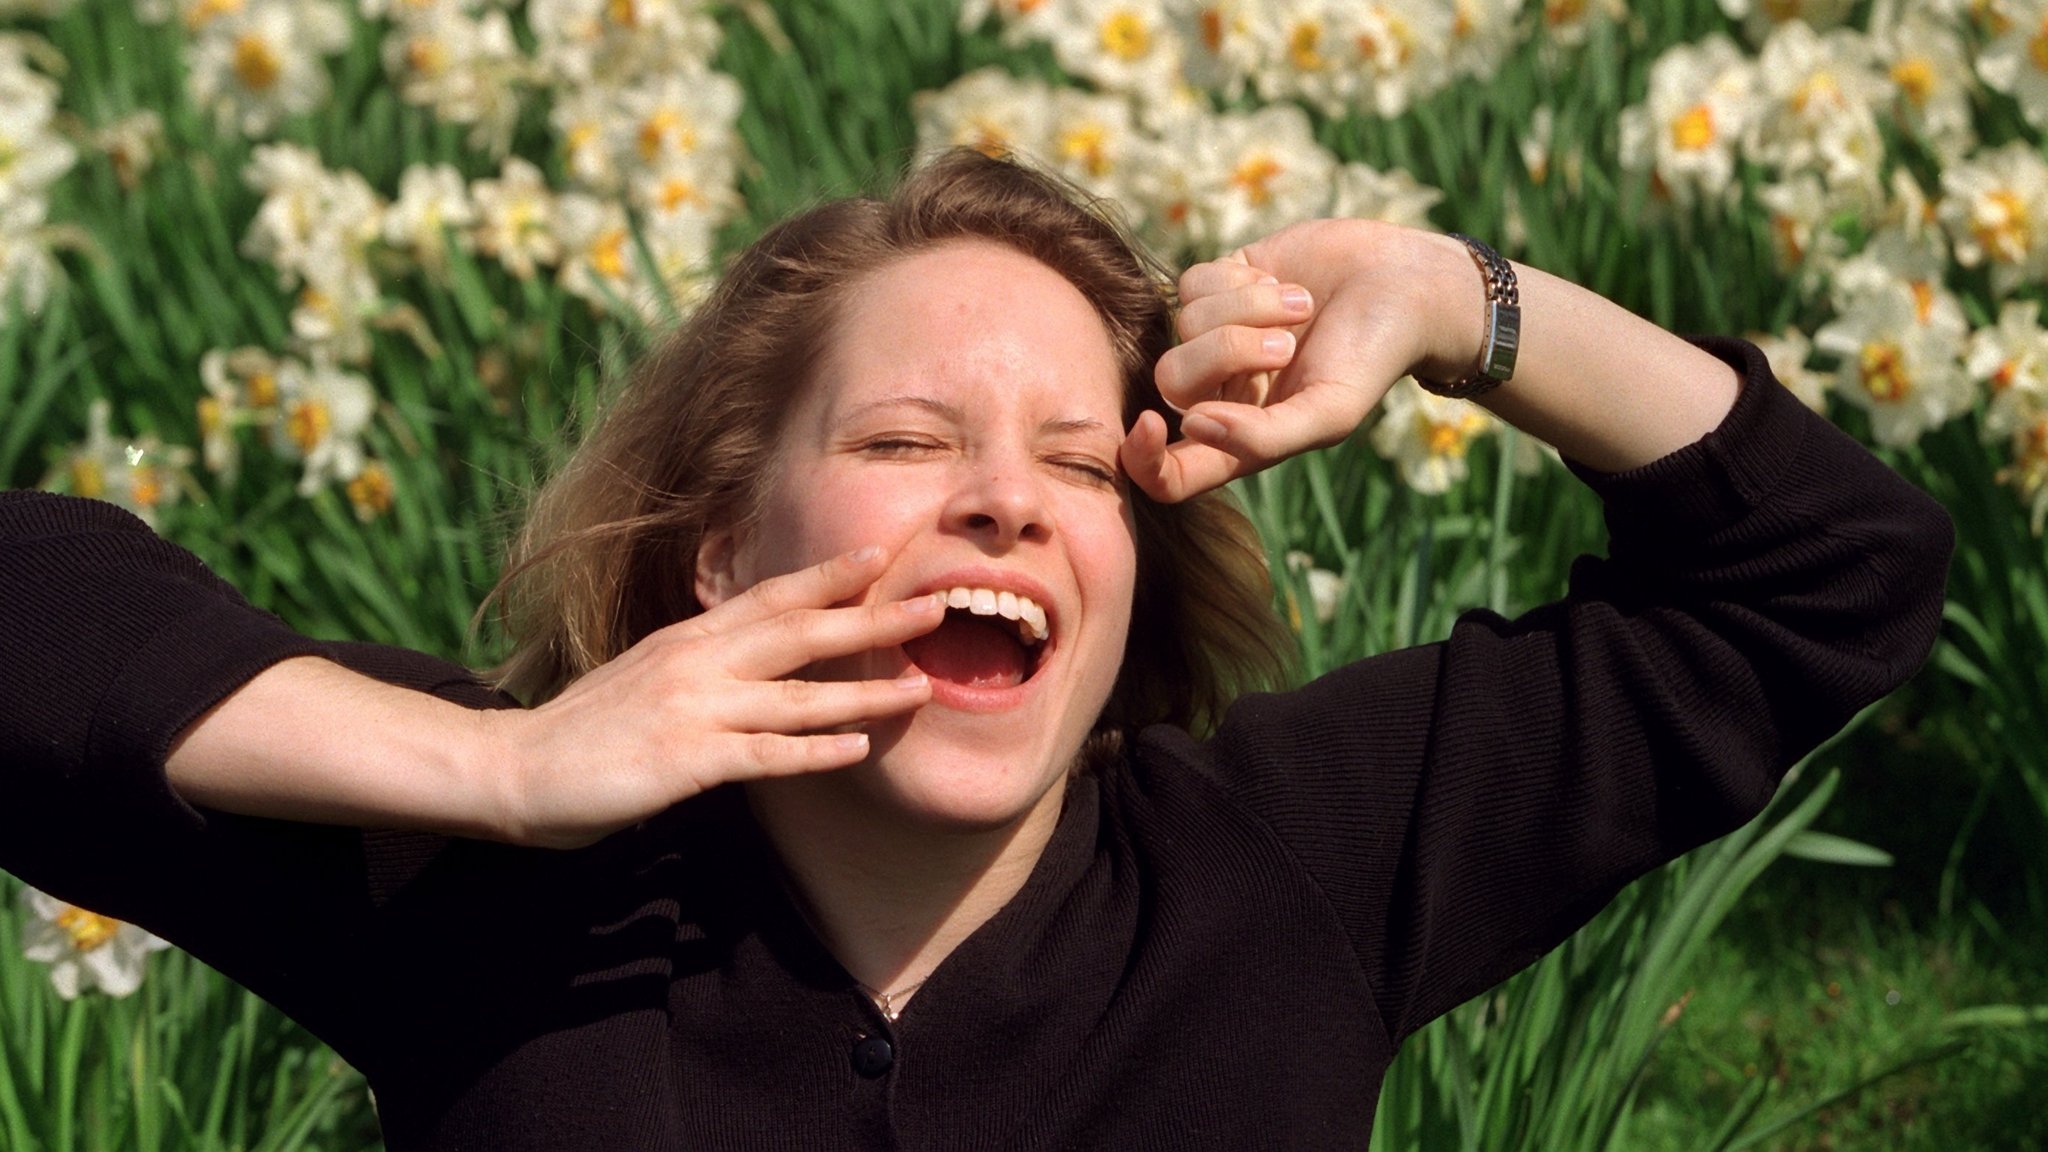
(1289, 342)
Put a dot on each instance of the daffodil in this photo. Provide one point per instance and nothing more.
(1427, 436)
(516, 218)
(433, 208)
(1996, 212)
(141, 475)
(1361, 192)
(83, 948)
(2010, 359)
(260, 61)
(1121, 45)
(988, 110)
(1685, 135)
(1787, 352)
(1904, 371)
(322, 415)
(2015, 61)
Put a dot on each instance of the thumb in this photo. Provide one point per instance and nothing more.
(1317, 416)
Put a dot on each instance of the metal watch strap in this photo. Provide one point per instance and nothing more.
(1503, 327)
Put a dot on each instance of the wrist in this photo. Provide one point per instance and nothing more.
(1484, 345)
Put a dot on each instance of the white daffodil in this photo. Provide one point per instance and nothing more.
(1906, 374)
(1685, 134)
(1817, 95)
(1787, 352)
(583, 42)
(2015, 62)
(29, 273)
(1121, 45)
(2028, 472)
(321, 417)
(84, 949)
(131, 145)
(988, 110)
(1397, 51)
(1301, 54)
(581, 118)
(309, 216)
(1427, 435)
(1568, 23)
(432, 209)
(1801, 214)
(1995, 208)
(1930, 75)
(2011, 360)
(241, 388)
(599, 263)
(463, 66)
(1023, 21)
(516, 218)
(679, 118)
(1762, 18)
(256, 65)
(140, 475)
(1893, 261)
(335, 304)
(1092, 139)
(1362, 193)
(1258, 172)
(1482, 33)
(32, 155)
(1219, 50)
(1325, 588)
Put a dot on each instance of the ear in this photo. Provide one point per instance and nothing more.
(717, 575)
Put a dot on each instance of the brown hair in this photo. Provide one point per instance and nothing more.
(610, 543)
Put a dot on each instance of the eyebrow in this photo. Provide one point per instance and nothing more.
(1057, 425)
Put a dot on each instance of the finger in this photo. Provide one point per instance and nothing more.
(794, 706)
(776, 647)
(836, 580)
(763, 754)
(1172, 474)
(1221, 275)
(1315, 417)
(1198, 370)
(1261, 305)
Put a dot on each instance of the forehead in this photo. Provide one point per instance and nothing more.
(974, 324)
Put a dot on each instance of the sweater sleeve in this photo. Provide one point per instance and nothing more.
(1466, 805)
(115, 642)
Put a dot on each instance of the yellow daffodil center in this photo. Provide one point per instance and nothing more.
(1369, 44)
(261, 389)
(146, 487)
(624, 13)
(2001, 225)
(212, 414)
(256, 63)
(1782, 10)
(1694, 129)
(207, 11)
(2003, 378)
(1786, 231)
(88, 930)
(1820, 90)
(371, 492)
(87, 479)
(608, 254)
(1923, 300)
(1915, 77)
(1447, 438)
(1125, 36)
(1212, 29)
(1884, 373)
(676, 192)
(1463, 22)
(989, 138)
(1305, 46)
(1087, 145)
(658, 127)
(1255, 177)
(307, 424)
(2037, 46)
(1557, 12)
(426, 56)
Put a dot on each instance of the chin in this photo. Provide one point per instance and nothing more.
(959, 786)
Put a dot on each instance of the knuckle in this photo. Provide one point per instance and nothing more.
(763, 750)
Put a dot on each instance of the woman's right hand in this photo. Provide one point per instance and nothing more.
(703, 702)
(692, 706)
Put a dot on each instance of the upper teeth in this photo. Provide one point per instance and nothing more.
(1024, 610)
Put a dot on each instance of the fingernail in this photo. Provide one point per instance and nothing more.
(1294, 298)
(1267, 280)
(912, 680)
(1277, 343)
(852, 741)
(863, 555)
(924, 603)
(1199, 427)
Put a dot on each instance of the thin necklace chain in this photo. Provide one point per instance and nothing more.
(886, 1000)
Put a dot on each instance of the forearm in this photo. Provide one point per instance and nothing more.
(312, 741)
(1592, 379)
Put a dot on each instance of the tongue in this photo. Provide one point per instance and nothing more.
(978, 651)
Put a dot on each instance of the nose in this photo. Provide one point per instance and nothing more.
(1000, 504)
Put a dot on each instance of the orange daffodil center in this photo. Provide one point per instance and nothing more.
(1883, 372)
(87, 930)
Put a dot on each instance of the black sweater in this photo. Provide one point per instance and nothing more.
(1225, 941)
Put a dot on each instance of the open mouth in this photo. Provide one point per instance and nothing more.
(989, 639)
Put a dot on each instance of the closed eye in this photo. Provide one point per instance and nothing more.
(1094, 471)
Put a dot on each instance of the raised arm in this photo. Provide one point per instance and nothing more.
(1466, 805)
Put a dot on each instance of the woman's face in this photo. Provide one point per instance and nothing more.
(966, 418)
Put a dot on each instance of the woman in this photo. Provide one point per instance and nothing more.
(797, 850)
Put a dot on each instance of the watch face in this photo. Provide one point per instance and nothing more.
(1503, 338)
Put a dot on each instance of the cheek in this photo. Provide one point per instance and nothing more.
(803, 525)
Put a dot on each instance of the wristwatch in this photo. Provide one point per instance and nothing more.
(1503, 327)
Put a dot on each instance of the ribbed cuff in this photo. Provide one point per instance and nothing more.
(190, 664)
(1719, 478)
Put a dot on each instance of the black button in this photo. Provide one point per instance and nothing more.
(872, 1057)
